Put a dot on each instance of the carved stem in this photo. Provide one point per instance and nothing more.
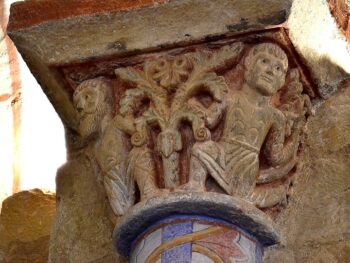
(171, 170)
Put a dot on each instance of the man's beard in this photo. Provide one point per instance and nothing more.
(91, 122)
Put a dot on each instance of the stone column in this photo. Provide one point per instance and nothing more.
(194, 227)
(183, 134)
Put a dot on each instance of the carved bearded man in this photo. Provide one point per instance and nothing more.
(250, 122)
(78, 184)
(94, 102)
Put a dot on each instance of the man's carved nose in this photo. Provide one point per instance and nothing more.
(269, 71)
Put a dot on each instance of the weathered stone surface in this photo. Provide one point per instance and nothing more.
(69, 39)
(334, 252)
(316, 225)
(31, 13)
(27, 216)
(2, 254)
(82, 230)
(321, 44)
(23, 252)
(25, 224)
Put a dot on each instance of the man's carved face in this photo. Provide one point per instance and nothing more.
(267, 74)
(88, 102)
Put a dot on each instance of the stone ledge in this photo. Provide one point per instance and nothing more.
(30, 13)
(68, 38)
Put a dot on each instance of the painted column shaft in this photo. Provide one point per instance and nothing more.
(190, 239)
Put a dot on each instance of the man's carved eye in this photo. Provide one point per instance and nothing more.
(264, 60)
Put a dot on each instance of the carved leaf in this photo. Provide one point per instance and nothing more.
(225, 56)
(202, 77)
(187, 113)
(210, 82)
(142, 80)
(204, 62)
(159, 70)
(133, 76)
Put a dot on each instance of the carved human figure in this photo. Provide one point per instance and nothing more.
(94, 102)
(80, 185)
(121, 167)
(140, 164)
(250, 122)
(294, 104)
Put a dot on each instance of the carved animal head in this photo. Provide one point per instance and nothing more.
(266, 66)
(93, 100)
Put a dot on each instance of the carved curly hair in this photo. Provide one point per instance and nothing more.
(271, 49)
(102, 85)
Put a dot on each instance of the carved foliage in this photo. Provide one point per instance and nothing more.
(182, 77)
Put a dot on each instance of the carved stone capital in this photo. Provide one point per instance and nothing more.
(211, 125)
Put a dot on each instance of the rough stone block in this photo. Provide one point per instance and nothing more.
(25, 225)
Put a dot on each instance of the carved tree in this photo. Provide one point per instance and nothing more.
(168, 85)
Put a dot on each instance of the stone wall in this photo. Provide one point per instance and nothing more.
(316, 225)
(82, 229)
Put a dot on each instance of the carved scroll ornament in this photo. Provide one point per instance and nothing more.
(260, 125)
